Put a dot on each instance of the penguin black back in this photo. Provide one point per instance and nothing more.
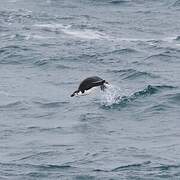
(89, 83)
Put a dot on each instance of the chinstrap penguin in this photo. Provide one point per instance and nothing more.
(88, 84)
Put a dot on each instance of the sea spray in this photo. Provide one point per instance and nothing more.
(111, 95)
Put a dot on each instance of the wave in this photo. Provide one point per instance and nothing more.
(118, 2)
(177, 38)
(138, 74)
(11, 53)
(90, 117)
(85, 34)
(40, 166)
(52, 166)
(60, 66)
(133, 74)
(157, 108)
(15, 16)
(112, 96)
(50, 104)
(47, 153)
(167, 167)
(150, 41)
(5, 93)
(174, 98)
(136, 39)
(161, 56)
(39, 129)
(131, 166)
(128, 166)
(41, 62)
(30, 130)
(36, 36)
(112, 2)
(28, 36)
(158, 56)
(122, 51)
(12, 47)
(78, 32)
(10, 105)
(10, 61)
(18, 105)
(171, 39)
(176, 3)
(52, 27)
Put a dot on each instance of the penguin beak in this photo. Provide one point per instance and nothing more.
(74, 93)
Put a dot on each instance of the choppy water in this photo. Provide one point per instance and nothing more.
(132, 131)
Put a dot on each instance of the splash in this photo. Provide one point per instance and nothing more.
(111, 95)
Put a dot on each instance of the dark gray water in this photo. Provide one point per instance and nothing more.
(131, 131)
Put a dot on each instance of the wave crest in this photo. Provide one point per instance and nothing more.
(132, 74)
(112, 96)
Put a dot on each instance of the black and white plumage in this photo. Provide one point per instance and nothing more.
(89, 83)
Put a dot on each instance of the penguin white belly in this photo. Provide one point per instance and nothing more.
(87, 92)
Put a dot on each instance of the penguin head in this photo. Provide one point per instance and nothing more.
(75, 93)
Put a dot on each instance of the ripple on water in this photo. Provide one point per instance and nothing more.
(177, 38)
(159, 108)
(37, 129)
(176, 3)
(122, 51)
(29, 167)
(174, 98)
(162, 57)
(12, 16)
(90, 116)
(17, 105)
(131, 166)
(13, 54)
(78, 32)
(41, 62)
(119, 2)
(51, 104)
(132, 74)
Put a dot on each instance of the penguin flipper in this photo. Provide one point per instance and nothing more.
(102, 87)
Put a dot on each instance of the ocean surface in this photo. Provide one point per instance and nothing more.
(131, 131)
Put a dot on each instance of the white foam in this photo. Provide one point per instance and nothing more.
(34, 36)
(111, 95)
(78, 33)
(87, 92)
(84, 34)
(166, 39)
(13, 1)
(52, 27)
(134, 39)
(169, 39)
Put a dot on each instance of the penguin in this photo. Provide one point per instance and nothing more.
(88, 84)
